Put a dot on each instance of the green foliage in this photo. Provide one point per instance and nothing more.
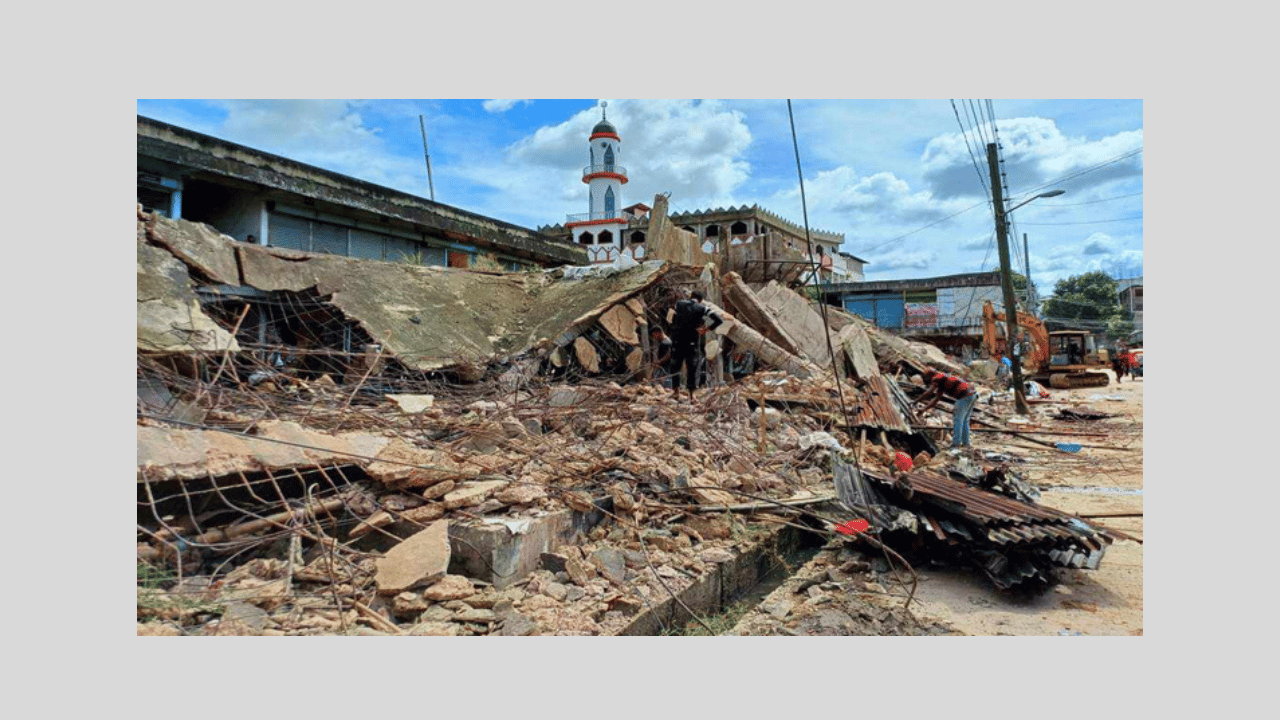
(1091, 296)
(414, 258)
(1019, 281)
(1118, 327)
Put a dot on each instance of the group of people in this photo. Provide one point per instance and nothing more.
(1122, 361)
(690, 319)
(681, 352)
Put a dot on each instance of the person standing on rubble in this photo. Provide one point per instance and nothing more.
(663, 367)
(688, 324)
(961, 392)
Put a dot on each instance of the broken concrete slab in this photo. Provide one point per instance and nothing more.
(449, 587)
(472, 493)
(503, 552)
(402, 465)
(166, 453)
(170, 318)
(620, 324)
(412, 404)
(198, 246)
(611, 563)
(802, 323)
(430, 318)
(422, 558)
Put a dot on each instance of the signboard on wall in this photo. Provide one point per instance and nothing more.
(921, 315)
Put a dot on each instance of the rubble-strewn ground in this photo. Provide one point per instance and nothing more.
(297, 478)
(1106, 601)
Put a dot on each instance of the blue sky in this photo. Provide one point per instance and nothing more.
(885, 173)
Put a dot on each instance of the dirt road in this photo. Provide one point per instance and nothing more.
(1106, 601)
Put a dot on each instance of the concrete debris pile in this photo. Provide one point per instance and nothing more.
(328, 445)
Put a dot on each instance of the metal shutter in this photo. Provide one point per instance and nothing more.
(326, 238)
(399, 250)
(287, 231)
(366, 245)
(433, 256)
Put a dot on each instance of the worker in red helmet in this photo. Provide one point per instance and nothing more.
(950, 386)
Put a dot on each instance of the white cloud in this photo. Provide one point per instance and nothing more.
(1035, 152)
(1098, 244)
(501, 106)
(912, 260)
(695, 150)
(327, 133)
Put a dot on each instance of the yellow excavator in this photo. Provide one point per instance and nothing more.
(1062, 359)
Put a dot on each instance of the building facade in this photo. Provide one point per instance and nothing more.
(1130, 294)
(946, 310)
(608, 230)
(260, 198)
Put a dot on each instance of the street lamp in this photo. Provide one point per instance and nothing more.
(1051, 193)
(1010, 304)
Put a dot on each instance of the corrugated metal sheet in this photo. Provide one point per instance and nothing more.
(1004, 520)
(878, 407)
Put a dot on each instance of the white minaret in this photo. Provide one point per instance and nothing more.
(601, 229)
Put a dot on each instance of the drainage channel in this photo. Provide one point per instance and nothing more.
(721, 596)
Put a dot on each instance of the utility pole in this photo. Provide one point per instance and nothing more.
(1006, 275)
(430, 184)
(1026, 257)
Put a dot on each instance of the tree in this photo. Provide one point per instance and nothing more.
(1020, 287)
(1118, 327)
(1092, 297)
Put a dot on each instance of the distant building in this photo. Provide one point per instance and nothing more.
(1130, 295)
(608, 230)
(266, 199)
(946, 311)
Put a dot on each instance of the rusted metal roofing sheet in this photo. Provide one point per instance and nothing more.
(1005, 520)
(879, 407)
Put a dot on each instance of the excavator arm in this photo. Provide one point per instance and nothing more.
(1037, 356)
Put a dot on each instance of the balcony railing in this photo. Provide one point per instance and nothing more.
(598, 215)
(615, 169)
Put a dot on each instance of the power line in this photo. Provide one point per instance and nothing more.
(1072, 176)
(1087, 202)
(926, 227)
(987, 200)
(981, 180)
(1086, 222)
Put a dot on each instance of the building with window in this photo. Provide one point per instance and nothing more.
(1130, 293)
(266, 199)
(945, 311)
(608, 230)
(717, 229)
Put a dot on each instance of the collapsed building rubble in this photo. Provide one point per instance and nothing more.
(331, 445)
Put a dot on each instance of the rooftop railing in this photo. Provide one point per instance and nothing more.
(592, 169)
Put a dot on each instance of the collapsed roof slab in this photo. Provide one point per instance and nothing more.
(430, 318)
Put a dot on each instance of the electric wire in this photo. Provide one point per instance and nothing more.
(1086, 222)
(981, 181)
(1088, 202)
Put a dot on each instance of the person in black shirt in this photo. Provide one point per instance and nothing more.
(664, 350)
(691, 320)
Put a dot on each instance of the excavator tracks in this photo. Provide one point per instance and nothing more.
(1068, 381)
